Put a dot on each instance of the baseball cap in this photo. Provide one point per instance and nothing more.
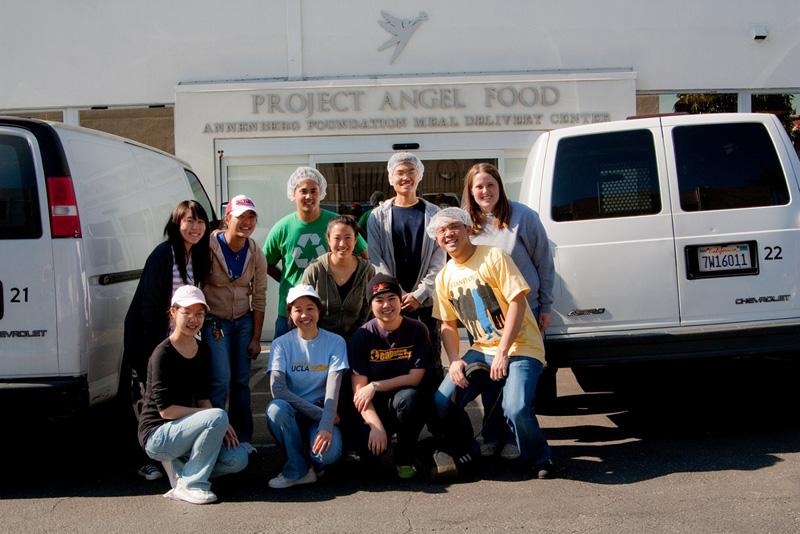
(240, 204)
(187, 295)
(301, 290)
(382, 283)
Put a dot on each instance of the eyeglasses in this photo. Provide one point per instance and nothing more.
(454, 227)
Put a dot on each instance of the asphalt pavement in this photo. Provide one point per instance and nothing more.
(697, 447)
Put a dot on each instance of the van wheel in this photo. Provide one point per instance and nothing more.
(547, 391)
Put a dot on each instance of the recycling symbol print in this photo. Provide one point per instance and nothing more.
(299, 254)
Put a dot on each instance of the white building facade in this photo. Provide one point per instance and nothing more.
(247, 90)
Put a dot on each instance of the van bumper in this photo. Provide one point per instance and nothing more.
(52, 396)
(731, 341)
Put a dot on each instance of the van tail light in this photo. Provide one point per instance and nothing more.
(64, 220)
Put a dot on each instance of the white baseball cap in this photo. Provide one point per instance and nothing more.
(240, 204)
(301, 290)
(187, 295)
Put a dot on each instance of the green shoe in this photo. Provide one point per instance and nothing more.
(406, 471)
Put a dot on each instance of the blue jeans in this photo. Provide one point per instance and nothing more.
(230, 370)
(281, 326)
(495, 428)
(519, 393)
(291, 429)
(194, 446)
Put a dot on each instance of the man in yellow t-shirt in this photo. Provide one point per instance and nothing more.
(482, 287)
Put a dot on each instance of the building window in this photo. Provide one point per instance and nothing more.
(705, 103)
(785, 107)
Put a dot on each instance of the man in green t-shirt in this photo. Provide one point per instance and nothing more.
(300, 237)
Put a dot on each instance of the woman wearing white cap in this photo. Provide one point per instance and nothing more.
(236, 289)
(182, 259)
(306, 366)
(178, 425)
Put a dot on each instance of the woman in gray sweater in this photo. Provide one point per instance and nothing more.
(340, 278)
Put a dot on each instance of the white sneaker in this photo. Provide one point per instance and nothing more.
(171, 475)
(192, 495)
(281, 482)
(509, 451)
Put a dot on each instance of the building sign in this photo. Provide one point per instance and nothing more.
(280, 110)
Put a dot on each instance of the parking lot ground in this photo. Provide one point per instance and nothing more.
(702, 447)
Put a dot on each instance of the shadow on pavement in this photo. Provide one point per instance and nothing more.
(657, 421)
(688, 417)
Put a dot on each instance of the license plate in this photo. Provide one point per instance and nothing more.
(715, 258)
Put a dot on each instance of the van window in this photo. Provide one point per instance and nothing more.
(19, 198)
(605, 175)
(199, 194)
(726, 166)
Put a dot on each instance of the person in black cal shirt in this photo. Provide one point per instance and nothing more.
(389, 356)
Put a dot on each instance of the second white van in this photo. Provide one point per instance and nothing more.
(80, 211)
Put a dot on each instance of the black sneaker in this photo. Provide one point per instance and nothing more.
(544, 470)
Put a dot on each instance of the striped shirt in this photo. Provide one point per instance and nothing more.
(177, 281)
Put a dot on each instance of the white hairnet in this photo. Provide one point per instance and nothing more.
(405, 157)
(447, 216)
(306, 173)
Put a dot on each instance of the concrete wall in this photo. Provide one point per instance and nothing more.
(85, 53)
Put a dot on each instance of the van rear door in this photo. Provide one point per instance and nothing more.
(28, 337)
(735, 216)
(609, 214)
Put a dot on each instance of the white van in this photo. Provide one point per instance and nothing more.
(80, 211)
(674, 237)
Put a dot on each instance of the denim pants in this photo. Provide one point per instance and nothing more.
(194, 446)
(401, 412)
(519, 393)
(230, 370)
(293, 431)
(495, 428)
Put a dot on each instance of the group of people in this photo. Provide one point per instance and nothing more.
(356, 356)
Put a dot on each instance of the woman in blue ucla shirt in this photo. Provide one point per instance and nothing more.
(306, 366)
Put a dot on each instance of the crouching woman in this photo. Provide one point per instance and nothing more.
(306, 367)
(178, 425)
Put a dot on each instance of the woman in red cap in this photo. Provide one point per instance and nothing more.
(236, 289)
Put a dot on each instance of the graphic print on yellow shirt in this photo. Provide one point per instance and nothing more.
(477, 293)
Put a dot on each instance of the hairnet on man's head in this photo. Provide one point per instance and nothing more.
(405, 157)
(447, 216)
(306, 173)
